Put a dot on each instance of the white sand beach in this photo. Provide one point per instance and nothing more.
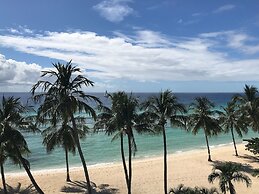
(190, 168)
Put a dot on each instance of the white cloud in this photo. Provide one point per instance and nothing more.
(20, 30)
(144, 56)
(235, 40)
(114, 10)
(17, 76)
(224, 8)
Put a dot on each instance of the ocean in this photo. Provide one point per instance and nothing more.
(99, 150)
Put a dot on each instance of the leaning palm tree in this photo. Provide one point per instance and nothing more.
(232, 119)
(120, 120)
(61, 135)
(163, 109)
(63, 97)
(13, 144)
(226, 173)
(249, 106)
(3, 158)
(202, 116)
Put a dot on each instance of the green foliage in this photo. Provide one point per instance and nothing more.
(252, 145)
(181, 189)
(226, 172)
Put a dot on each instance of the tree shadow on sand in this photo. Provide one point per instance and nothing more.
(15, 190)
(81, 187)
(252, 159)
(247, 168)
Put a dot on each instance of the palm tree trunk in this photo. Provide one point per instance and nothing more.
(67, 165)
(3, 179)
(234, 142)
(208, 147)
(130, 168)
(124, 162)
(25, 166)
(165, 161)
(75, 134)
(231, 188)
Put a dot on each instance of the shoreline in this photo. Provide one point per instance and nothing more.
(190, 168)
(116, 163)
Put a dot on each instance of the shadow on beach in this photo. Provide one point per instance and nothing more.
(252, 159)
(80, 187)
(245, 167)
(15, 190)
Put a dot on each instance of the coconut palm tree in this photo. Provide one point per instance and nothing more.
(249, 106)
(202, 116)
(226, 173)
(13, 144)
(63, 97)
(61, 135)
(3, 158)
(163, 109)
(232, 119)
(181, 189)
(120, 120)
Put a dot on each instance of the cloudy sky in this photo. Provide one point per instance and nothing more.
(133, 45)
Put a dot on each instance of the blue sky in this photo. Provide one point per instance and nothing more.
(147, 45)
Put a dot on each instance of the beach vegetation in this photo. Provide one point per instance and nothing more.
(62, 135)
(204, 116)
(162, 110)
(249, 106)
(63, 97)
(232, 119)
(181, 189)
(13, 122)
(227, 173)
(121, 120)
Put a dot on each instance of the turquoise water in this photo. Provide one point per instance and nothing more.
(98, 148)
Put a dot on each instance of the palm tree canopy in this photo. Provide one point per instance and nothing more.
(63, 94)
(165, 107)
(231, 118)
(226, 173)
(123, 117)
(249, 106)
(12, 120)
(203, 116)
(62, 135)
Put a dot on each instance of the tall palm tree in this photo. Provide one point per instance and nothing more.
(232, 119)
(12, 141)
(63, 97)
(249, 106)
(202, 116)
(163, 109)
(226, 173)
(120, 120)
(3, 158)
(61, 135)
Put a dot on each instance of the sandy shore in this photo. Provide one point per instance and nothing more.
(190, 168)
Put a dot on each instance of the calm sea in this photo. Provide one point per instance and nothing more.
(98, 148)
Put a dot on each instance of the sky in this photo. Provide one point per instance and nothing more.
(132, 45)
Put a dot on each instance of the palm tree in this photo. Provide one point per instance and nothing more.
(162, 109)
(249, 106)
(226, 173)
(63, 98)
(13, 144)
(62, 135)
(202, 116)
(120, 120)
(3, 158)
(181, 189)
(232, 119)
